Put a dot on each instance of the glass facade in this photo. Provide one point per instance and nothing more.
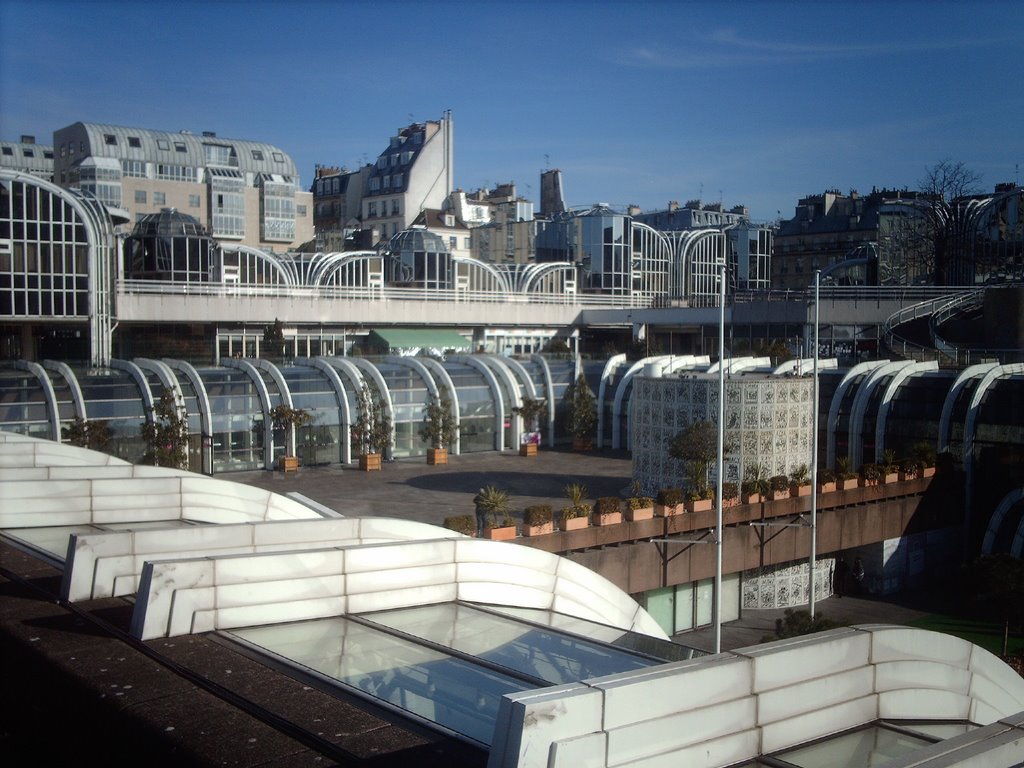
(277, 208)
(227, 202)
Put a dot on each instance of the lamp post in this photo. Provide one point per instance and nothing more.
(721, 463)
(814, 452)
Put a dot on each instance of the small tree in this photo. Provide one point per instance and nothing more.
(287, 418)
(372, 431)
(273, 340)
(582, 410)
(495, 503)
(531, 410)
(439, 427)
(696, 447)
(95, 435)
(166, 434)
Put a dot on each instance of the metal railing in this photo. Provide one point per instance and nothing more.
(381, 294)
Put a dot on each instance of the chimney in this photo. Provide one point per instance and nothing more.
(26, 139)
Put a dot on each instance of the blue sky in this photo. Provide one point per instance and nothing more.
(646, 102)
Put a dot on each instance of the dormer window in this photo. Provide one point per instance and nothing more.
(110, 139)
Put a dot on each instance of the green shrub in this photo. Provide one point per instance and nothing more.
(730, 491)
(779, 483)
(640, 502)
(871, 471)
(670, 497)
(826, 475)
(538, 514)
(461, 524)
(607, 505)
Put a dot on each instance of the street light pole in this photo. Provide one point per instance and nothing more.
(814, 451)
(721, 462)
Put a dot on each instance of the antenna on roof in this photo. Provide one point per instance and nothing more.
(547, 161)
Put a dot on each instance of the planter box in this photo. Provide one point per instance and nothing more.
(826, 487)
(796, 491)
(538, 530)
(528, 449)
(752, 498)
(904, 476)
(660, 510)
(643, 513)
(890, 477)
(845, 485)
(288, 464)
(607, 518)
(437, 456)
(502, 533)
(928, 472)
(698, 505)
(733, 502)
(779, 495)
(573, 523)
(863, 482)
(583, 443)
(368, 462)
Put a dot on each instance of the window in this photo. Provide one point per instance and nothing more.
(63, 150)
(406, 158)
(8, 151)
(394, 160)
(453, 242)
(371, 209)
(28, 152)
(193, 201)
(257, 155)
(395, 207)
(382, 162)
(179, 146)
(133, 168)
(374, 184)
(278, 157)
(387, 182)
(159, 198)
(140, 196)
(396, 180)
(48, 154)
(134, 141)
(163, 144)
(109, 138)
(300, 210)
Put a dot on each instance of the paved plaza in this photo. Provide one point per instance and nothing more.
(410, 489)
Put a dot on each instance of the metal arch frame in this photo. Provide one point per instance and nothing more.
(202, 396)
(285, 269)
(499, 412)
(77, 397)
(261, 388)
(796, 366)
(385, 393)
(678, 363)
(996, 521)
(501, 371)
(970, 426)
(549, 387)
(415, 365)
(356, 379)
(611, 365)
(97, 223)
(620, 394)
(946, 419)
(531, 388)
(438, 372)
(345, 422)
(855, 446)
(837, 402)
(169, 380)
(286, 394)
(490, 269)
(687, 242)
(321, 268)
(49, 395)
(534, 273)
(889, 395)
(736, 364)
(649, 255)
(140, 381)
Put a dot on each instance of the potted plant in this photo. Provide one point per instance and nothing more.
(826, 480)
(495, 504)
(869, 475)
(924, 455)
(607, 510)
(371, 434)
(463, 524)
(582, 415)
(890, 466)
(696, 448)
(846, 478)
(778, 487)
(538, 520)
(730, 495)
(577, 514)
(531, 410)
(669, 502)
(908, 470)
(94, 434)
(800, 482)
(439, 427)
(638, 506)
(697, 501)
(286, 418)
(755, 487)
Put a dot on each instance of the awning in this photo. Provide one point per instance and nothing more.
(411, 338)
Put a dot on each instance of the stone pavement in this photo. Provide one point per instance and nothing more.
(410, 489)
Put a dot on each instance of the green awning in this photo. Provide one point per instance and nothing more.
(411, 338)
